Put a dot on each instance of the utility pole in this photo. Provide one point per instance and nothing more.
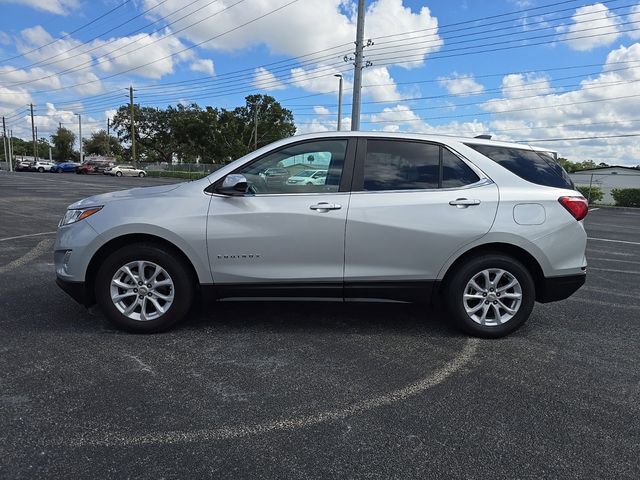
(80, 135)
(339, 75)
(36, 145)
(33, 132)
(133, 130)
(4, 139)
(357, 74)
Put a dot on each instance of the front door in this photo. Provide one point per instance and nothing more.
(284, 233)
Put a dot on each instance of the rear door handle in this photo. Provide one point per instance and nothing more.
(464, 202)
(325, 207)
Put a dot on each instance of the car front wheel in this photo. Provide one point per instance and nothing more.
(144, 288)
(490, 296)
(118, 174)
(141, 174)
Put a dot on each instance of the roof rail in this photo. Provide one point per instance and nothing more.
(484, 136)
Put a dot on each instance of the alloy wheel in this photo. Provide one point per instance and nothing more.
(142, 290)
(492, 297)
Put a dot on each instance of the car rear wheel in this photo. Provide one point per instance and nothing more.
(144, 288)
(40, 170)
(490, 296)
(118, 174)
(141, 174)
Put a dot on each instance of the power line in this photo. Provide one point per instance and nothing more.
(180, 51)
(66, 35)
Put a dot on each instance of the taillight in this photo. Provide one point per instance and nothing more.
(576, 206)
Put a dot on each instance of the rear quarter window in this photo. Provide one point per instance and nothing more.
(535, 167)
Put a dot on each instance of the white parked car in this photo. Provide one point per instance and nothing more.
(43, 166)
(126, 171)
(308, 177)
(485, 228)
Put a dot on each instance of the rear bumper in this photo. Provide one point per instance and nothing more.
(76, 290)
(559, 288)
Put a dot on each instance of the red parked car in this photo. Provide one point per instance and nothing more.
(93, 166)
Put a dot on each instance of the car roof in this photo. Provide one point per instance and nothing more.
(425, 137)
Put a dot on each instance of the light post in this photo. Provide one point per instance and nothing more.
(339, 75)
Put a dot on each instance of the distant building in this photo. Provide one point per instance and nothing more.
(99, 158)
(607, 178)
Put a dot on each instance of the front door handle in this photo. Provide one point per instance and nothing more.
(323, 207)
(464, 202)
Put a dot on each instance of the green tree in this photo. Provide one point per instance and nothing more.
(154, 140)
(63, 141)
(102, 144)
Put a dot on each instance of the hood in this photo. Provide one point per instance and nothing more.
(131, 194)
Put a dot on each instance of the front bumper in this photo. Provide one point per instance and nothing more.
(77, 290)
(559, 288)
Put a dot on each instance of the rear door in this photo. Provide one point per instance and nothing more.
(413, 205)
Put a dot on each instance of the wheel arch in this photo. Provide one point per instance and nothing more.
(128, 239)
(514, 251)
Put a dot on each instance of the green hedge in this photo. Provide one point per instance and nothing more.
(626, 197)
(176, 174)
(594, 196)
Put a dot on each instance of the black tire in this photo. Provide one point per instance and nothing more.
(183, 290)
(118, 174)
(141, 174)
(40, 170)
(455, 288)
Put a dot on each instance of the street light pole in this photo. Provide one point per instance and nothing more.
(339, 75)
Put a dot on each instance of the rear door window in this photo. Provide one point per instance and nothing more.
(408, 165)
(535, 167)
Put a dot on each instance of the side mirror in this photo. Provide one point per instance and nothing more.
(233, 184)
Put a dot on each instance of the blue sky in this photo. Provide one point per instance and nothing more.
(518, 69)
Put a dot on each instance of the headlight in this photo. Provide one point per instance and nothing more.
(77, 214)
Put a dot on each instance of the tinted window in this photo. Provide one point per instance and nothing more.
(279, 172)
(456, 173)
(398, 165)
(534, 167)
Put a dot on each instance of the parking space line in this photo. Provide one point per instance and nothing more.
(614, 241)
(26, 236)
(227, 433)
(32, 254)
(632, 272)
(613, 260)
(605, 304)
(593, 209)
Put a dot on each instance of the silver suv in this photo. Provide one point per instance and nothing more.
(483, 227)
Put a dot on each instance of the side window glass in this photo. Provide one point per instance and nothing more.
(401, 165)
(456, 173)
(293, 169)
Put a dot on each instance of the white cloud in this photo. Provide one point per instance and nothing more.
(318, 80)
(154, 59)
(386, 89)
(320, 110)
(318, 25)
(519, 85)
(59, 7)
(265, 80)
(203, 65)
(461, 84)
(596, 16)
(38, 77)
(634, 16)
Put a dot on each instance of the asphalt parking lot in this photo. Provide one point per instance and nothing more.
(319, 390)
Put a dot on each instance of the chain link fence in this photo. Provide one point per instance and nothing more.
(189, 171)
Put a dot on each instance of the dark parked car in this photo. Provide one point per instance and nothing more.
(93, 166)
(65, 167)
